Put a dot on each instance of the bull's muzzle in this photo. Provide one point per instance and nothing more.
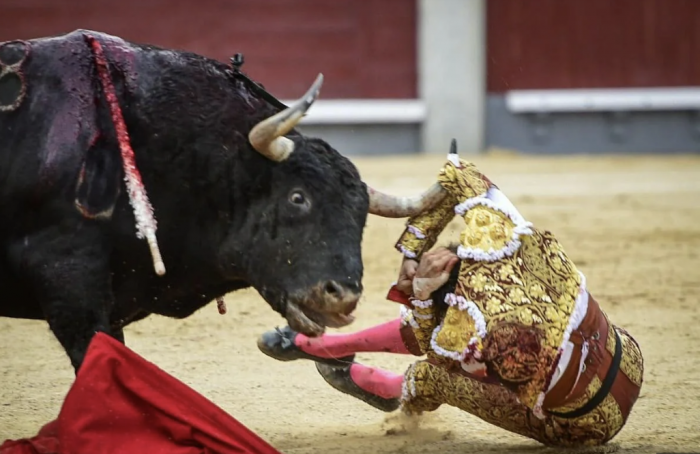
(328, 304)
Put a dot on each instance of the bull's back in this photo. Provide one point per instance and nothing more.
(48, 124)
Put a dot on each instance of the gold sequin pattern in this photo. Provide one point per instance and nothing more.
(456, 326)
(427, 321)
(536, 287)
(588, 394)
(421, 380)
(610, 342)
(465, 182)
(496, 405)
(461, 184)
(486, 229)
(530, 293)
(632, 363)
(431, 224)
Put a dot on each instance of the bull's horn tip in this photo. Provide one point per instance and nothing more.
(314, 91)
(318, 83)
(453, 146)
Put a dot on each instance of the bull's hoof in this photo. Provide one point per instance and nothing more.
(279, 344)
(340, 379)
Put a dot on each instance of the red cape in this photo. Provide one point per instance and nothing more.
(121, 403)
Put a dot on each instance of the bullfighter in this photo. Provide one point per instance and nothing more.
(510, 331)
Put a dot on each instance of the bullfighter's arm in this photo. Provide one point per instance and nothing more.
(461, 182)
(422, 231)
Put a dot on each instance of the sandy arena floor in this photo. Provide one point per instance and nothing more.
(631, 224)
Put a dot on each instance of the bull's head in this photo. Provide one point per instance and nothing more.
(304, 232)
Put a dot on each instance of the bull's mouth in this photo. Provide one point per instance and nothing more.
(310, 310)
(313, 322)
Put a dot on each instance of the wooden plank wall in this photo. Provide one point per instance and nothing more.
(541, 44)
(366, 49)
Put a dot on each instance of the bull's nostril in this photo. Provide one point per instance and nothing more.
(333, 288)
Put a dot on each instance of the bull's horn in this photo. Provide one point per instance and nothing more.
(267, 137)
(390, 206)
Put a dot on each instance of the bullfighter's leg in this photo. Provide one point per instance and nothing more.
(377, 387)
(338, 349)
(425, 387)
(68, 271)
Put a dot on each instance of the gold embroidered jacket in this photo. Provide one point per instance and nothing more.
(516, 300)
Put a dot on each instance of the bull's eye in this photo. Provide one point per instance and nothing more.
(297, 198)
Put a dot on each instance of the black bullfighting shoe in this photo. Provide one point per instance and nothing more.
(340, 379)
(279, 344)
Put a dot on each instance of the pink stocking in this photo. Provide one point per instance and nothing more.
(380, 338)
(377, 381)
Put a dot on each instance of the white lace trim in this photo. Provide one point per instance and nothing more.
(464, 305)
(496, 200)
(423, 304)
(416, 231)
(406, 252)
(407, 317)
(408, 387)
(577, 315)
(537, 410)
(422, 316)
(561, 367)
(479, 323)
(457, 356)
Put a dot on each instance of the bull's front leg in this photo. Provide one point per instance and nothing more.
(67, 269)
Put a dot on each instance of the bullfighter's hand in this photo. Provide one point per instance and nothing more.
(433, 271)
(408, 271)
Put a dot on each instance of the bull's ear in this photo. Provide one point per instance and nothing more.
(99, 181)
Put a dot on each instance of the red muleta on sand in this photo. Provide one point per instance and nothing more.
(121, 403)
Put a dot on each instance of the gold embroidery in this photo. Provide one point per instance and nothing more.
(524, 290)
(496, 405)
(526, 299)
(536, 286)
(610, 341)
(514, 351)
(430, 224)
(592, 388)
(632, 364)
(454, 333)
(426, 320)
(487, 229)
(465, 182)
(462, 183)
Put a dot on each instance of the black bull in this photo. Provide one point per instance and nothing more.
(241, 198)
